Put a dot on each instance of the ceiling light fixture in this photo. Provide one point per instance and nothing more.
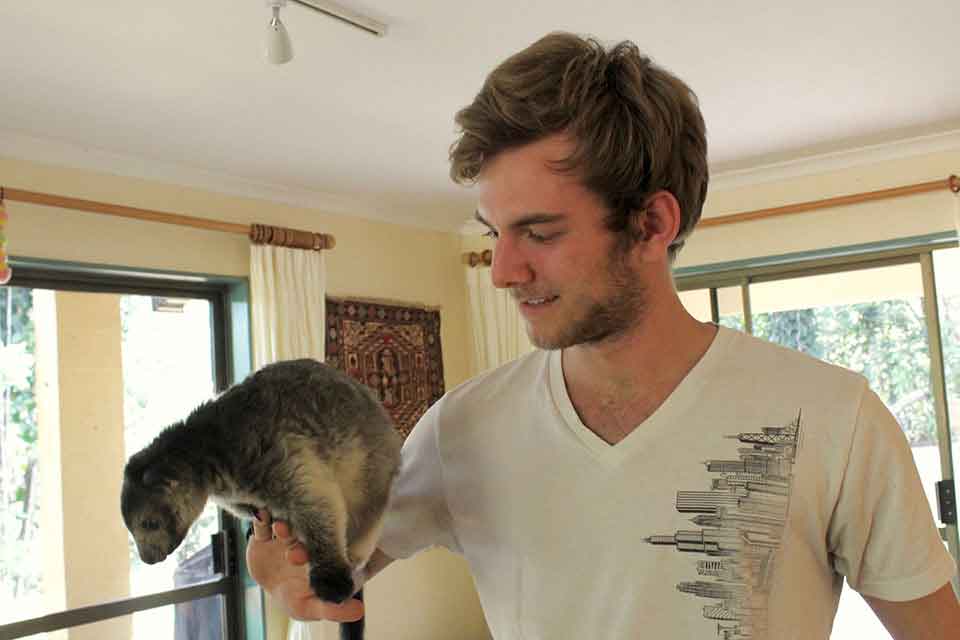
(279, 48)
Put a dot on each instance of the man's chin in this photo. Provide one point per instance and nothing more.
(546, 342)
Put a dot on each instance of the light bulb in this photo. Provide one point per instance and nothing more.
(279, 48)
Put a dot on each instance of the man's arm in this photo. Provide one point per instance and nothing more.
(932, 617)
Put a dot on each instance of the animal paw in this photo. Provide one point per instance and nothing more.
(331, 584)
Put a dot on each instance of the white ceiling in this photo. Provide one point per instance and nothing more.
(361, 125)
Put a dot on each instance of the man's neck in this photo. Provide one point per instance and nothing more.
(617, 384)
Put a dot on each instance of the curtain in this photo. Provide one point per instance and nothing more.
(498, 332)
(287, 293)
(287, 303)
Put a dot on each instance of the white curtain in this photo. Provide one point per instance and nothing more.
(287, 289)
(499, 335)
(288, 314)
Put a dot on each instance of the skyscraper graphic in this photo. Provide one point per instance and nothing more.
(740, 519)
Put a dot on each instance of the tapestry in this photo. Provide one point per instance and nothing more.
(393, 349)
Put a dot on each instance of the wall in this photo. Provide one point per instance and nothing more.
(869, 222)
(372, 260)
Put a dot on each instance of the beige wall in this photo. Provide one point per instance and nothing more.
(856, 224)
(372, 260)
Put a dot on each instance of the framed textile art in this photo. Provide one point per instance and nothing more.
(393, 349)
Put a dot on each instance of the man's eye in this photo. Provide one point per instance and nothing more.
(491, 234)
(539, 237)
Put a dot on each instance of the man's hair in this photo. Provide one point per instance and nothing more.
(636, 128)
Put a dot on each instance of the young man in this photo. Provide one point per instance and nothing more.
(644, 474)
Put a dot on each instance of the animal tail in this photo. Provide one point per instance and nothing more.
(353, 630)
(331, 579)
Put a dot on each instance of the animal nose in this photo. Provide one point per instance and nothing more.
(152, 555)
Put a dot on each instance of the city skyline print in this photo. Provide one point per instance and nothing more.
(739, 519)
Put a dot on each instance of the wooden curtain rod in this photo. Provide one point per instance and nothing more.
(951, 183)
(473, 259)
(258, 234)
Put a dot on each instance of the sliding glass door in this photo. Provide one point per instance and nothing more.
(91, 370)
(887, 320)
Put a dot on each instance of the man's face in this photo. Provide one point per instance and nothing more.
(573, 282)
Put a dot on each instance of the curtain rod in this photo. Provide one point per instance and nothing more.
(258, 234)
(951, 183)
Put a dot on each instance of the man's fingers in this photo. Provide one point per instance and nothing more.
(296, 554)
(282, 530)
(261, 526)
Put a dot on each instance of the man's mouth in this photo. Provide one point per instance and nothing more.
(538, 302)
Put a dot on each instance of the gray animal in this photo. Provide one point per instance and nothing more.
(298, 438)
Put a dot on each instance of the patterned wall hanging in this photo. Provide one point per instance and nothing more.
(393, 349)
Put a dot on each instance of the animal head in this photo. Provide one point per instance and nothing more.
(158, 507)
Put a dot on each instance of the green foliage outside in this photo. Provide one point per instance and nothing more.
(19, 473)
(885, 341)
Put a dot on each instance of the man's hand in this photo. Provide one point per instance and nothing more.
(279, 564)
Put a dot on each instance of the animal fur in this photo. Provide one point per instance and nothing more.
(298, 438)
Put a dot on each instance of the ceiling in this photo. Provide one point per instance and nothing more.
(361, 125)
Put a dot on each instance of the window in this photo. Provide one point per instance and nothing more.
(92, 368)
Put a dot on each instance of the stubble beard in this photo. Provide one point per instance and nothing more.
(597, 320)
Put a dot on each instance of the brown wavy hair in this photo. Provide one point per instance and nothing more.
(636, 128)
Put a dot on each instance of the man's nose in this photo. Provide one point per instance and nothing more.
(510, 267)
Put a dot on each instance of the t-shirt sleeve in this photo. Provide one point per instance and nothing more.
(882, 535)
(418, 517)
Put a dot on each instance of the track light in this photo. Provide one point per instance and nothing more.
(279, 48)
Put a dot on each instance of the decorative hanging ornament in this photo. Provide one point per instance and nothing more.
(5, 271)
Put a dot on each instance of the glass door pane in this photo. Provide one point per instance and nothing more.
(167, 349)
(946, 266)
(730, 302)
(87, 379)
(20, 578)
(871, 321)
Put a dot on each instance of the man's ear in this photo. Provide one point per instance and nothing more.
(656, 226)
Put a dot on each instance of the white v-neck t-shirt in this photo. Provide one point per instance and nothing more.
(734, 511)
